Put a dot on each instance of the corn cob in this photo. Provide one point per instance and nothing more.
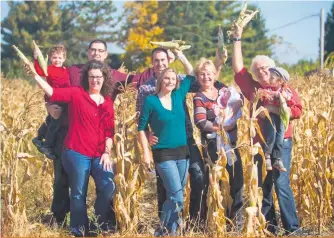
(25, 60)
(221, 46)
(245, 16)
(284, 112)
(174, 44)
(43, 62)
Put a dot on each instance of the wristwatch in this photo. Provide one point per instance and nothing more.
(236, 39)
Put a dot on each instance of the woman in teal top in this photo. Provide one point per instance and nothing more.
(164, 111)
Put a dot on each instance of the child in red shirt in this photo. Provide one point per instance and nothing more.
(274, 131)
(58, 77)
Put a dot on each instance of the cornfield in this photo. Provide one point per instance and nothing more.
(26, 175)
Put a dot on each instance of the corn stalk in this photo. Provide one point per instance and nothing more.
(130, 175)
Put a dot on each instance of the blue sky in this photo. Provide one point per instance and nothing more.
(301, 40)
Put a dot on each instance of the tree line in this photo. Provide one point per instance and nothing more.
(76, 23)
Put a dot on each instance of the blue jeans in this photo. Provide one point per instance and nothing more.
(283, 191)
(197, 183)
(174, 176)
(273, 135)
(79, 167)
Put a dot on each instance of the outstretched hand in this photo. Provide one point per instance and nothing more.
(237, 30)
(171, 56)
(221, 58)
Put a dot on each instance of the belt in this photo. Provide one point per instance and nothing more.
(287, 139)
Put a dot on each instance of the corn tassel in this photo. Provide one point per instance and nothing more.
(43, 62)
(25, 59)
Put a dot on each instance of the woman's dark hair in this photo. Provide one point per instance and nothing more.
(107, 87)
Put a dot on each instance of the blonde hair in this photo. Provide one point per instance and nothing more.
(58, 49)
(204, 62)
(161, 77)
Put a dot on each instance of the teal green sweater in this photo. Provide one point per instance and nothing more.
(168, 125)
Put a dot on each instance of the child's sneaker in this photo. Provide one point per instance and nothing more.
(48, 152)
(38, 143)
(268, 164)
(278, 164)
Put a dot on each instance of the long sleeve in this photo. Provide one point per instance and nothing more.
(246, 84)
(295, 105)
(39, 69)
(65, 95)
(185, 85)
(110, 121)
(200, 115)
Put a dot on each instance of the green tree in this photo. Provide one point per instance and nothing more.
(27, 21)
(141, 26)
(196, 22)
(329, 32)
(73, 24)
(302, 67)
(86, 21)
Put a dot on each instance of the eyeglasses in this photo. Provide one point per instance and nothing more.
(93, 50)
(261, 68)
(95, 77)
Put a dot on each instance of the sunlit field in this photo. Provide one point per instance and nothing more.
(27, 176)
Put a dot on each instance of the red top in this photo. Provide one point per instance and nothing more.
(248, 86)
(89, 124)
(58, 77)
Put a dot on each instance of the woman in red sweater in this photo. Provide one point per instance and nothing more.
(88, 142)
(57, 77)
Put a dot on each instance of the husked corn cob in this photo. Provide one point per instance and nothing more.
(284, 112)
(220, 44)
(174, 44)
(43, 62)
(25, 59)
(245, 16)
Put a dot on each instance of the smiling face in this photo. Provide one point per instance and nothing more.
(57, 59)
(97, 51)
(159, 62)
(169, 82)
(262, 73)
(206, 77)
(95, 80)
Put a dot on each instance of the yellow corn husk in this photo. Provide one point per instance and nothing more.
(43, 62)
(245, 16)
(284, 112)
(174, 44)
(221, 46)
(25, 59)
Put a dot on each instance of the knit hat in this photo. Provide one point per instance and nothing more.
(281, 73)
